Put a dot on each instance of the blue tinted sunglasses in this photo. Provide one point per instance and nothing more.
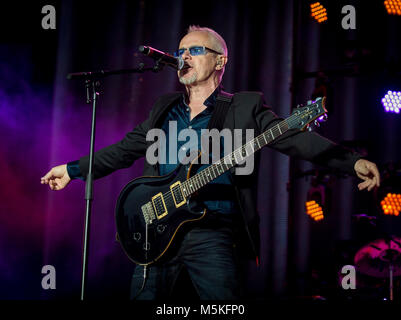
(194, 51)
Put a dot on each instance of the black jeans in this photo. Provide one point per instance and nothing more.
(209, 256)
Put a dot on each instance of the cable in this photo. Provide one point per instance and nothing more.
(143, 283)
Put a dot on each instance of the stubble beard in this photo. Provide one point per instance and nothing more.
(190, 80)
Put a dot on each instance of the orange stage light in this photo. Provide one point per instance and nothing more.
(318, 12)
(391, 204)
(393, 7)
(314, 210)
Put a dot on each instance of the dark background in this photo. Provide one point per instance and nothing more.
(274, 47)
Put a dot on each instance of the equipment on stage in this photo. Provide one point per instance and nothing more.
(381, 259)
(92, 84)
(150, 210)
(164, 58)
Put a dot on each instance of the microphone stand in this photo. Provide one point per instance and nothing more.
(92, 84)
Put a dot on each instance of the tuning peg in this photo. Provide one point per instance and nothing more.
(308, 127)
(317, 124)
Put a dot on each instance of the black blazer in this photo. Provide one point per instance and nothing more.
(247, 111)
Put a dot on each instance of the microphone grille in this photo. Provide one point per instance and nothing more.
(181, 63)
(143, 49)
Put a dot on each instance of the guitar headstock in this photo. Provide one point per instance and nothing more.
(303, 116)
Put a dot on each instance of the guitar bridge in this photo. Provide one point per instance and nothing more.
(148, 213)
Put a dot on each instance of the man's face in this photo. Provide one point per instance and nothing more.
(202, 67)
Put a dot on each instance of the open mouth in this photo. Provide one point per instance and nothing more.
(185, 70)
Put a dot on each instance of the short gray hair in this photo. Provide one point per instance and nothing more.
(217, 39)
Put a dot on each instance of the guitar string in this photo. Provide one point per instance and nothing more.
(197, 178)
(168, 196)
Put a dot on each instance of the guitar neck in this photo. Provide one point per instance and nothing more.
(236, 157)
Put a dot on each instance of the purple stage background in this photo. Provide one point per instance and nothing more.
(44, 122)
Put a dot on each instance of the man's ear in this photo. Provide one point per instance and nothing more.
(221, 62)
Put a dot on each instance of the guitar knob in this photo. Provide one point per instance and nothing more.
(317, 124)
(325, 117)
(160, 228)
(309, 128)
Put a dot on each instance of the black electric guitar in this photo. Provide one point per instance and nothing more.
(151, 210)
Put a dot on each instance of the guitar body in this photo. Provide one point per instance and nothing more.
(148, 217)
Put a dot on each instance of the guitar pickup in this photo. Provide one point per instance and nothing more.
(178, 196)
(159, 205)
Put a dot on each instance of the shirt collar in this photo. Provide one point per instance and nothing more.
(210, 102)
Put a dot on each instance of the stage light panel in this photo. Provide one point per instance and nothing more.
(314, 210)
(392, 101)
(391, 204)
(393, 7)
(318, 12)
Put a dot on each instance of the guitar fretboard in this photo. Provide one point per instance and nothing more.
(236, 157)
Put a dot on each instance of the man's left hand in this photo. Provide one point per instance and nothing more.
(368, 172)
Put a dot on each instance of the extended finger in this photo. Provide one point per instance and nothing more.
(376, 181)
(364, 185)
(45, 181)
(47, 176)
(372, 184)
(376, 173)
(53, 185)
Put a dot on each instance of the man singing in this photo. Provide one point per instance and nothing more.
(208, 249)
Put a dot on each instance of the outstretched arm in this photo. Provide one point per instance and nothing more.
(315, 148)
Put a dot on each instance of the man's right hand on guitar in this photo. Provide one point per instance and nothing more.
(57, 178)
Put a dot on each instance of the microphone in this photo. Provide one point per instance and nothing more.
(165, 58)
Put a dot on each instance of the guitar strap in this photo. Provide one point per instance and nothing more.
(223, 103)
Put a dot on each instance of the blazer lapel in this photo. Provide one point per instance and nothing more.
(164, 105)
